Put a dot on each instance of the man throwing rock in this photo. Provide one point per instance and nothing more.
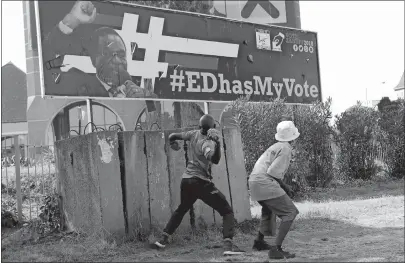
(196, 184)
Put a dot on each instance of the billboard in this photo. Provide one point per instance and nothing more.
(119, 50)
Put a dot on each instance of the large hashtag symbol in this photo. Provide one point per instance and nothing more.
(177, 80)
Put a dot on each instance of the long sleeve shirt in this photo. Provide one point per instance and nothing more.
(273, 162)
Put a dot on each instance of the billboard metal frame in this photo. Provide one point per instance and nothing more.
(153, 99)
(39, 44)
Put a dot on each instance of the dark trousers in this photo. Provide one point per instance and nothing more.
(193, 189)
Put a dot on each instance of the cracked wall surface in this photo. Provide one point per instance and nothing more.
(128, 183)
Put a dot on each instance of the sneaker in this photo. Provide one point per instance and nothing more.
(162, 242)
(260, 245)
(231, 249)
(286, 253)
(278, 253)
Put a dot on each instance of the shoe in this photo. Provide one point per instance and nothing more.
(286, 253)
(279, 253)
(231, 249)
(161, 243)
(260, 245)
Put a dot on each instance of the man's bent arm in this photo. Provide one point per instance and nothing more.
(60, 40)
(175, 136)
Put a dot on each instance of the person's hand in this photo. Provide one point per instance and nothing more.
(288, 190)
(213, 134)
(131, 90)
(83, 12)
(174, 145)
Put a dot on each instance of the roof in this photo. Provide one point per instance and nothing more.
(13, 94)
(400, 84)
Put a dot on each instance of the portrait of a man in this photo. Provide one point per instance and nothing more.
(75, 34)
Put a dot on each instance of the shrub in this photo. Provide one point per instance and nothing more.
(356, 134)
(314, 149)
(50, 214)
(258, 122)
(312, 163)
(392, 137)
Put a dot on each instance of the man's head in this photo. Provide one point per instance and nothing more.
(207, 122)
(108, 55)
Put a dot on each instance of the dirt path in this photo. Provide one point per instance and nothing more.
(369, 230)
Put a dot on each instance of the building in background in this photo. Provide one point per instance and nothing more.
(399, 89)
(13, 108)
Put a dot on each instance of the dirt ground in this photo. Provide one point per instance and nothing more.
(356, 224)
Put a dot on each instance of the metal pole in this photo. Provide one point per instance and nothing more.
(89, 114)
(206, 107)
(6, 163)
(28, 175)
(18, 177)
(79, 115)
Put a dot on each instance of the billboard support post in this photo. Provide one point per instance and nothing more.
(89, 115)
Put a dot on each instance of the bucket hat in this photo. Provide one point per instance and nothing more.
(286, 131)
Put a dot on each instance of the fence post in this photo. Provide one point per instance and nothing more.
(18, 177)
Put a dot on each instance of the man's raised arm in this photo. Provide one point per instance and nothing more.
(59, 39)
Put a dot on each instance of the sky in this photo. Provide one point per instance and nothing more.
(361, 46)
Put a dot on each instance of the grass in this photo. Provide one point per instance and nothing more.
(358, 190)
(344, 224)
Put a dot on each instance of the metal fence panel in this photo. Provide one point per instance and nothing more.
(38, 178)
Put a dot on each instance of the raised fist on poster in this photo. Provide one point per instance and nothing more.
(84, 12)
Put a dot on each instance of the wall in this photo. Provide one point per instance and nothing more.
(135, 187)
(90, 184)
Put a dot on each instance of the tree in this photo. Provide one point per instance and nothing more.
(384, 102)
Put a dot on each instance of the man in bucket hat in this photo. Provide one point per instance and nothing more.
(268, 189)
